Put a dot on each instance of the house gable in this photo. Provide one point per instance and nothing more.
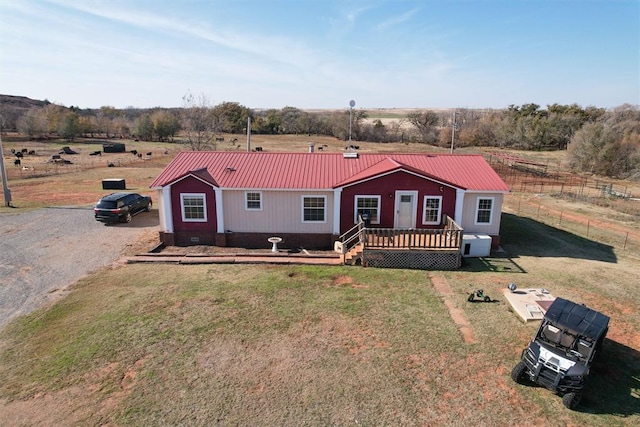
(385, 186)
(193, 185)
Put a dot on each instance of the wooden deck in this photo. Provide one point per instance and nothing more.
(403, 248)
(429, 240)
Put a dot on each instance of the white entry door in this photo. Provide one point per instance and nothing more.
(406, 209)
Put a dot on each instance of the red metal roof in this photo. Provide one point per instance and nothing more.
(259, 170)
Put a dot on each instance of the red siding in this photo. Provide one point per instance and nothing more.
(192, 185)
(386, 187)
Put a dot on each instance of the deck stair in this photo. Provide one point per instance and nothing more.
(354, 255)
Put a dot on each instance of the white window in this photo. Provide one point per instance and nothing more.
(484, 210)
(253, 200)
(432, 210)
(314, 208)
(367, 204)
(194, 207)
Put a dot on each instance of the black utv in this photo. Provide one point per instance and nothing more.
(560, 356)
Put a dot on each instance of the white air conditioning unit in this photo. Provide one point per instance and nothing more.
(476, 245)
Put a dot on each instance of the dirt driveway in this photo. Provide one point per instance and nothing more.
(42, 252)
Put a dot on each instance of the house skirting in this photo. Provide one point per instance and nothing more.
(413, 259)
(187, 238)
(289, 240)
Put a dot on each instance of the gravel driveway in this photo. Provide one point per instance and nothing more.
(44, 251)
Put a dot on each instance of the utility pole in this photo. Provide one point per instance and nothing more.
(5, 188)
(454, 126)
(249, 134)
(352, 103)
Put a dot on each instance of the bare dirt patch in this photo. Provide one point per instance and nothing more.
(457, 315)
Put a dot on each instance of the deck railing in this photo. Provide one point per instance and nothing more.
(447, 238)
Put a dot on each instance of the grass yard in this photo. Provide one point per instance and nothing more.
(312, 345)
(293, 345)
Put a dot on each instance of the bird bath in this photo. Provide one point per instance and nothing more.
(275, 241)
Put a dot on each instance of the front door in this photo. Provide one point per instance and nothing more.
(406, 209)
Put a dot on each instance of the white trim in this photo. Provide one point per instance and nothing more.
(204, 203)
(219, 210)
(414, 199)
(366, 196)
(424, 209)
(475, 216)
(315, 196)
(457, 216)
(166, 217)
(246, 201)
(337, 194)
(419, 175)
(190, 175)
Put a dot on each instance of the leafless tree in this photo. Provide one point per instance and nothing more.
(198, 122)
(426, 122)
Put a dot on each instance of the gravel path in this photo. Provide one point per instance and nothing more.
(44, 251)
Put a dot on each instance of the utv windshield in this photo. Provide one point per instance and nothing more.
(570, 343)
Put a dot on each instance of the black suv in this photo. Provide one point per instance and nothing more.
(560, 355)
(120, 207)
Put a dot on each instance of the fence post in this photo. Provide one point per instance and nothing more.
(588, 225)
(519, 202)
(624, 247)
(560, 221)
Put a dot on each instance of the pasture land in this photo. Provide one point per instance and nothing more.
(291, 345)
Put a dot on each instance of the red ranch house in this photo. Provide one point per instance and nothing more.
(241, 199)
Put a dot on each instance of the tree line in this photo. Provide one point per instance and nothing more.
(600, 141)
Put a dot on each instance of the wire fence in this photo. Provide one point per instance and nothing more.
(619, 237)
(34, 167)
(535, 178)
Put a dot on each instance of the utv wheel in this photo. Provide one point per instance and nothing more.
(127, 218)
(518, 373)
(487, 299)
(470, 298)
(571, 400)
(149, 206)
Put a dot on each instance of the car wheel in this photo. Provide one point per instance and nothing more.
(127, 218)
(518, 373)
(571, 400)
(149, 206)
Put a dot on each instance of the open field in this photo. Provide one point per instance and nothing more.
(283, 345)
(238, 345)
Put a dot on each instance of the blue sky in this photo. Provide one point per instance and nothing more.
(321, 54)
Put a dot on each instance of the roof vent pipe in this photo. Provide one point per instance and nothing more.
(311, 145)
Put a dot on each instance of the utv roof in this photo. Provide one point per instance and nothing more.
(577, 318)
